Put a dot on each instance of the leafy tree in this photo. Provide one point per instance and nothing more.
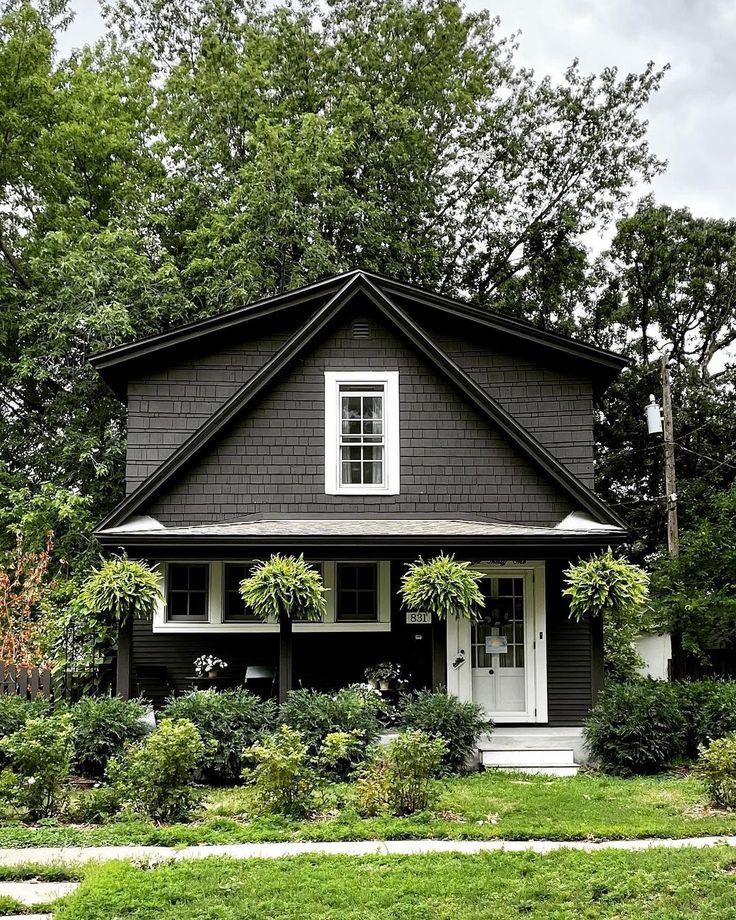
(616, 591)
(206, 153)
(24, 587)
(695, 592)
(668, 283)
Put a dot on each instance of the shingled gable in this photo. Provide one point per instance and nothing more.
(305, 336)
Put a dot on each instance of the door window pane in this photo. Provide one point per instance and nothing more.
(503, 616)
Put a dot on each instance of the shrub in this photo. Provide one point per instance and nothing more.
(637, 728)
(228, 722)
(97, 805)
(340, 754)
(154, 776)
(460, 724)
(101, 727)
(284, 780)
(398, 778)
(15, 711)
(717, 769)
(710, 706)
(40, 755)
(317, 715)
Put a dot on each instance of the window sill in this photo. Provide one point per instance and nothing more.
(268, 628)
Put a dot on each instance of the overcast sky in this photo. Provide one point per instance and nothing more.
(693, 117)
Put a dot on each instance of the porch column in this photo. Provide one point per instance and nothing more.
(285, 656)
(439, 652)
(124, 669)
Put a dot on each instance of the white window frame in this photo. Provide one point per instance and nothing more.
(216, 623)
(391, 466)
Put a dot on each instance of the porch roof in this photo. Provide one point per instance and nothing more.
(392, 529)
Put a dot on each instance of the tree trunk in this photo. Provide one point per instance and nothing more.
(125, 660)
(285, 656)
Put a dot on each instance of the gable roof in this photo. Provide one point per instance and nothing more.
(252, 389)
(117, 365)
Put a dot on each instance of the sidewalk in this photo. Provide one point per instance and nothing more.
(152, 854)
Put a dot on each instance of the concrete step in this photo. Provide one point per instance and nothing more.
(548, 757)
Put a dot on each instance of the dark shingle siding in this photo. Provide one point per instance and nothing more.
(272, 461)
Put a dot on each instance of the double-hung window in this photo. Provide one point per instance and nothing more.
(362, 432)
(187, 592)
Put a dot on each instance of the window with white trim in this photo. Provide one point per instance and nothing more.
(361, 432)
(187, 592)
(356, 592)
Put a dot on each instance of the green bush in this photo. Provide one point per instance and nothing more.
(15, 711)
(283, 776)
(40, 755)
(460, 724)
(637, 728)
(711, 710)
(101, 727)
(228, 722)
(96, 805)
(398, 778)
(317, 715)
(717, 769)
(154, 777)
(340, 754)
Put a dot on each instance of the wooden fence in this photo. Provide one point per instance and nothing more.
(19, 680)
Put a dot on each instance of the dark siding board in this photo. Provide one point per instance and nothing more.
(166, 407)
(272, 460)
(569, 656)
(555, 405)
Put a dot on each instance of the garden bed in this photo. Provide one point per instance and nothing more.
(564, 885)
(478, 807)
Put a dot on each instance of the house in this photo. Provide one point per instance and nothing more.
(366, 422)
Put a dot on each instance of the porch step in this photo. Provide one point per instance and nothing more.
(550, 762)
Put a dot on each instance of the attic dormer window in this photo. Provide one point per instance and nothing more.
(361, 432)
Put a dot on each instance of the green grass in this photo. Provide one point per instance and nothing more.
(478, 807)
(656, 885)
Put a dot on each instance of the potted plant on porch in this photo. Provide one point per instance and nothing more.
(382, 676)
(446, 588)
(284, 589)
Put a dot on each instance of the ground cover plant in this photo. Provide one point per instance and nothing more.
(482, 806)
(564, 885)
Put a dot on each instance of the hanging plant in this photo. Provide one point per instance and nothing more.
(443, 586)
(119, 589)
(284, 587)
(606, 586)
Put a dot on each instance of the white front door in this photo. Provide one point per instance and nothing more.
(498, 647)
(500, 661)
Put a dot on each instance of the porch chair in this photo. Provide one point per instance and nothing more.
(257, 672)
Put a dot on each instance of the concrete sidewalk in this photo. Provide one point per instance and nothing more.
(152, 854)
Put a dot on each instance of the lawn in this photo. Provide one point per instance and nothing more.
(656, 885)
(479, 807)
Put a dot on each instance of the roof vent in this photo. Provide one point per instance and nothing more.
(361, 329)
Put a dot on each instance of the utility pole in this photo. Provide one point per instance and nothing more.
(670, 480)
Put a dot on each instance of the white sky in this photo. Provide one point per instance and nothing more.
(692, 119)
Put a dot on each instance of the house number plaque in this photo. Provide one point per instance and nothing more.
(418, 617)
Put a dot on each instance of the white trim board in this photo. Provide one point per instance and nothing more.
(460, 679)
(392, 467)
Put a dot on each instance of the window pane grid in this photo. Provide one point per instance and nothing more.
(362, 436)
(504, 616)
(357, 592)
(187, 592)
